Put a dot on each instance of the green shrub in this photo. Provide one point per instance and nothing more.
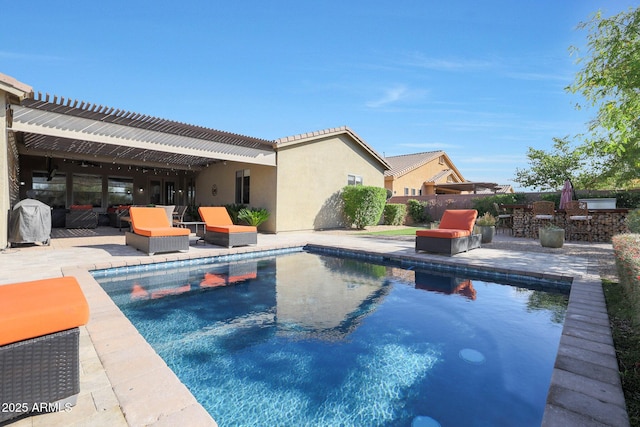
(627, 252)
(417, 211)
(633, 221)
(253, 216)
(485, 204)
(627, 199)
(363, 205)
(394, 213)
(233, 210)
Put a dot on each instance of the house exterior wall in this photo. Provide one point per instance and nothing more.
(262, 192)
(5, 201)
(414, 180)
(311, 175)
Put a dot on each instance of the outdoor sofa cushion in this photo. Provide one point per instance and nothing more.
(81, 207)
(41, 307)
(153, 222)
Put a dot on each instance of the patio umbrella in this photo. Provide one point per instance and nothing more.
(567, 194)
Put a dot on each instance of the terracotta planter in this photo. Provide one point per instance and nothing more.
(551, 237)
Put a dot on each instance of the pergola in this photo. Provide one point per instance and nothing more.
(76, 130)
(456, 187)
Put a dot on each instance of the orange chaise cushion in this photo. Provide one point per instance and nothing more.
(41, 307)
(217, 220)
(153, 222)
(215, 215)
(232, 229)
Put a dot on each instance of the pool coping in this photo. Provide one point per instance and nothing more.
(585, 387)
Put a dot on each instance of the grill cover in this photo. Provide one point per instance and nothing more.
(30, 222)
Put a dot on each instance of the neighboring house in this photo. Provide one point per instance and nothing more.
(64, 152)
(432, 172)
(419, 174)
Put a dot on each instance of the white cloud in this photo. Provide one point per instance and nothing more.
(390, 96)
(26, 56)
(448, 64)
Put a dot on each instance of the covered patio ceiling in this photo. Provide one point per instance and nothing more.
(79, 131)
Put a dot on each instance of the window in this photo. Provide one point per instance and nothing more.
(120, 191)
(51, 191)
(354, 180)
(441, 160)
(87, 190)
(243, 180)
(413, 191)
(406, 191)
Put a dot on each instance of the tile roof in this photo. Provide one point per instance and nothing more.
(294, 139)
(401, 165)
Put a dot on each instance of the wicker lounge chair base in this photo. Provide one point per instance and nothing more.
(231, 239)
(152, 245)
(40, 374)
(448, 246)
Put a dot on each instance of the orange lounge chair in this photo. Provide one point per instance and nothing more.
(220, 230)
(152, 232)
(454, 235)
(39, 344)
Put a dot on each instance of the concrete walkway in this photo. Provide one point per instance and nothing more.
(125, 383)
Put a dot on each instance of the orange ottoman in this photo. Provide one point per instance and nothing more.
(39, 345)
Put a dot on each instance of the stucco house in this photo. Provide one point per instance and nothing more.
(428, 173)
(65, 152)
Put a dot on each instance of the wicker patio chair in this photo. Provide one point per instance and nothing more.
(39, 345)
(220, 230)
(81, 216)
(454, 234)
(152, 232)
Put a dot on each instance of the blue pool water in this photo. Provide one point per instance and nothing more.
(305, 339)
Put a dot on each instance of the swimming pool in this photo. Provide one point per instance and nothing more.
(309, 339)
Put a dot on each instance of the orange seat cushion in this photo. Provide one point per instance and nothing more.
(458, 219)
(153, 222)
(215, 215)
(232, 229)
(41, 307)
(443, 234)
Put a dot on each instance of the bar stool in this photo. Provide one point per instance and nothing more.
(578, 219)
(505, 220)
(542, 211)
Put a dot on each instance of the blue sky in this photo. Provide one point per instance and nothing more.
(481, 80)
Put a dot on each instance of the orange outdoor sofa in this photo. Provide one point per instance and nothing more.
(454, 234)
(152, 232)
(39, 345)
(220, 230)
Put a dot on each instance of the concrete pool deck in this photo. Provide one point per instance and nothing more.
(125, 383)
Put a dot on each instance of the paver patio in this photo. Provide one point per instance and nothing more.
(124, 382)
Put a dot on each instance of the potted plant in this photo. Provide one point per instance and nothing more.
(551, 236)
(253, 216)
(486, 225)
